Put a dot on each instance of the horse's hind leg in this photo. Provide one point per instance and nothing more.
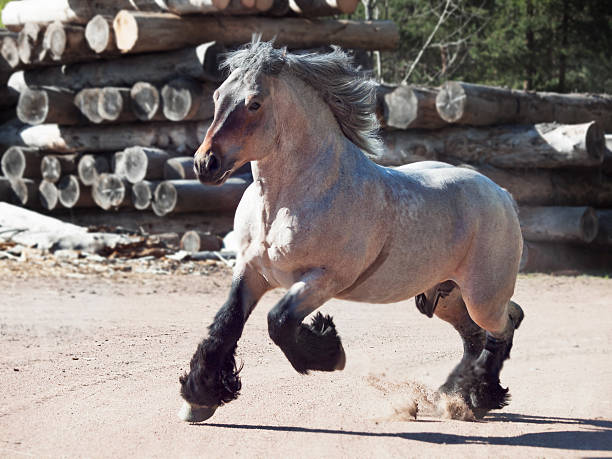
(479, 383)
(451, 308)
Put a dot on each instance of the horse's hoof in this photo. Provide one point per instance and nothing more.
(194, 413)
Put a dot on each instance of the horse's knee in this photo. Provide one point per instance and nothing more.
(493, 318)
(280, 323)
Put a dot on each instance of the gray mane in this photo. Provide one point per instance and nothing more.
(350, 96)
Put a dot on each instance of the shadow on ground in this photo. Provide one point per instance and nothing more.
(598, 437)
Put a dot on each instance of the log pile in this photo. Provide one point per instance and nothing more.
(549, 150)
(104, 102)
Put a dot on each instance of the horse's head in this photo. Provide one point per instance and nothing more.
(243, 128)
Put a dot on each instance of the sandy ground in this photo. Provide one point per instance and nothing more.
(90, 367)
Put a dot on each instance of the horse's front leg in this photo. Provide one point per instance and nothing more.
(308, 347)
(213, 376)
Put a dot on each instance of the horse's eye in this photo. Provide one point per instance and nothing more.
(254, 106)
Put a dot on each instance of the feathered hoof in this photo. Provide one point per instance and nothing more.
(193, 413)
(487, 396)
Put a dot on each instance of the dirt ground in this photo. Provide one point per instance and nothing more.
(90, 366)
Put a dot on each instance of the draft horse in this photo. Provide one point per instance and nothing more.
(324, 221)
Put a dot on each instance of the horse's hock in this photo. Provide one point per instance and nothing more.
(90, 85)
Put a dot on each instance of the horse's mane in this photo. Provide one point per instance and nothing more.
(350, 95)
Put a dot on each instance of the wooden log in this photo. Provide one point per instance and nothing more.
(119, 164)
(533, 146)
(66, 43)
(48, 194)
(604, 235)
(144, 162)
(607, 161)
(70, 139)
(138, 221)
(100, 35)
(197, 241)
(179, 168)
(142, 194)
(405, 107)
(8, 97)
(198, 62)
(145, 101)
(479, 105)
(110, 191)
(560, 224)
(52, 167)
(552, 188)
(185, 99)
(20, 162)
(16, 14)
(87, 102)
(139, 32)
(312, 8)
(90, 167)
(72, 194)
(48, 105)
(25, 193)
(178, 196)
(555, 256)
(279, 8)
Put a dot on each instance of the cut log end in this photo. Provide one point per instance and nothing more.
(69, 191)
(13, 163)
(33, 106)
(126, 31)
(55, 40)
(145, 100)
(451, 102)
(48, 194)
(10, 52)
(90, 167)
(195, 241)
(99, 34)
(590, 225)
(110, 103)
(25, 192)
(108, 191)
(50, 169)
(165, 199)
(142, 194)
(595, 141)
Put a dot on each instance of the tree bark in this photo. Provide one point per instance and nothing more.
(478, 105)
(311, 8)
(185, 99)
(144, 163)
(48, 105)
(138, 32)
(180, 196)
(198, 62)
(110, 191)
(90, 167)
(65, 139)
(8, 97)
(100, 35)
(405, 107)
(196, 241)
(72, 194)
(539, 146)
(52, 167)
(20, 162)
(145, 101)
(179, 168)
(555, 256)
(559, 224)
(48, 194)
(5, 189)
(142, 194)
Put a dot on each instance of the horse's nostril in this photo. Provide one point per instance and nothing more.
(212, 163)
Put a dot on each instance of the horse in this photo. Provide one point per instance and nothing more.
(322, 220)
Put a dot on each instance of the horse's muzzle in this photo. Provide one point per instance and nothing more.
(207, 168)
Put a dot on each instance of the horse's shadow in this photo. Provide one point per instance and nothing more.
(597, 438)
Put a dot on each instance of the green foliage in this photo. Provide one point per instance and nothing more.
(558, 45)
(2, 3)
